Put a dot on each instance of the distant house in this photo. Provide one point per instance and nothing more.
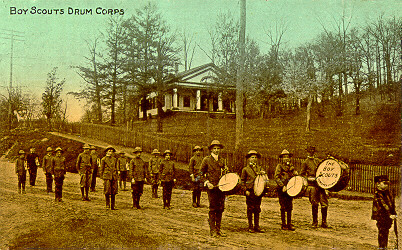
(195, 90)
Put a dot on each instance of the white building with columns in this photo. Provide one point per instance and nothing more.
(194, 90)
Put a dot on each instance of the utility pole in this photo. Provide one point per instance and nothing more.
(240, 80)
(12, 36)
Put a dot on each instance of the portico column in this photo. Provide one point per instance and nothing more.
(220, 105)
(198, 98)
(175, 98)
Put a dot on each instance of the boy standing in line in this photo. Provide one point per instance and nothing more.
(138, 173)
(108, 172)
(167, 171)
(194, 169)
(47, 165)
(383, 209)
(58, 171)
(154, 164)
(21, 171)
(122, 166)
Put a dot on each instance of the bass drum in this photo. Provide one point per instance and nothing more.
(297, 186)
(230, 183)
(333, 175)
(260, 184)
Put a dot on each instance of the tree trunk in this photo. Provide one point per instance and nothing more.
(308, 116)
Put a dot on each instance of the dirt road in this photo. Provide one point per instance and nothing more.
(34, 220)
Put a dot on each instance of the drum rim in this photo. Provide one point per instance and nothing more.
(221, 185)
(301, 189)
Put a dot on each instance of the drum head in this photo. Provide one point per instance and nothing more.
(260, 183)
(295, 185)
(328, 173)
(228, 182)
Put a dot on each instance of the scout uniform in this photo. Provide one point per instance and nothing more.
(84, 168)
(21, 171)
(167, 172)
(58, 171)
(383, 209)
(194, 169)
(138, 172)
(95, 167)
(153, 169)
(317, 195)
(122, 166)
(213, 167)
(253, 202)
(33, 164)
(108, 172)
(46, 165)
(283, 172)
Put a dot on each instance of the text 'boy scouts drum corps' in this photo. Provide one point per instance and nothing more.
(212, 174)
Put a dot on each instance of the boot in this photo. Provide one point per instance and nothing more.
(137, 205)
(82, 194)
(289, 217)
(134, 200)
(283, 218)
(107, 201)
(212, 221)
(112, 207)
(324, 211)
(315, 216)
(198, 198)
(257, 223)
(250, 221)
(86, 194)
(156, 191)
(125, 185)
(218, 224)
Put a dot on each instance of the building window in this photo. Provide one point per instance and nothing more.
(186, 101)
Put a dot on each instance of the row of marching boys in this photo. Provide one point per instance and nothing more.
(205, 172)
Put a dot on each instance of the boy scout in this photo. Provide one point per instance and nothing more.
(58, 171)
(95, 167)
(138, 173)
(167, 172)
(194, 169)
(21, 171)
(84, 168)
(383, 209)
(253, 202)
(212, 167)
(108, 172)
(153, 169)
(33, 164)
(122, 166)
(283, 172)
(46, 165)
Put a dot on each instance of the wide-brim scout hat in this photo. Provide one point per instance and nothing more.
(86, 146)
(381, 178)
(285, 152)
(253, 152)
(137, 149)
(21, 152)
(92, 147)
(215, 143)
(58, 149)
(155, 152)
(49, 149)
(167, 151)
(121, 153)
(310, 149)
(110, 147)
(197, 148)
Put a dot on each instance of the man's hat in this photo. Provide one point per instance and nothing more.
(58, 149)
(215, 143)
(197, 148)
(381, 178)
(285, 152)
(167, 151)
(86, 146)
(92, 147)
(310, 149)
(110, 147)
(137, 149)
(49, 149)
(253, 152)
(21, 152)
(155, 152)
(121, 153)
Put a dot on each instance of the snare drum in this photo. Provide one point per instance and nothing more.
(260, 184)
(333, 175)
(230, 183)
(296, 186)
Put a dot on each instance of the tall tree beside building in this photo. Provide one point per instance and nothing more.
(51, 98)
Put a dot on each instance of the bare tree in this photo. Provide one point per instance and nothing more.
(51, 98)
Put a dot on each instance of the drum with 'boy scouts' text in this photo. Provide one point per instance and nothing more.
(333, 175)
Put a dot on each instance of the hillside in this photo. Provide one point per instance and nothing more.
(373, 137)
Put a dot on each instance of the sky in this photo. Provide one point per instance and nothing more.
(59, 40)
